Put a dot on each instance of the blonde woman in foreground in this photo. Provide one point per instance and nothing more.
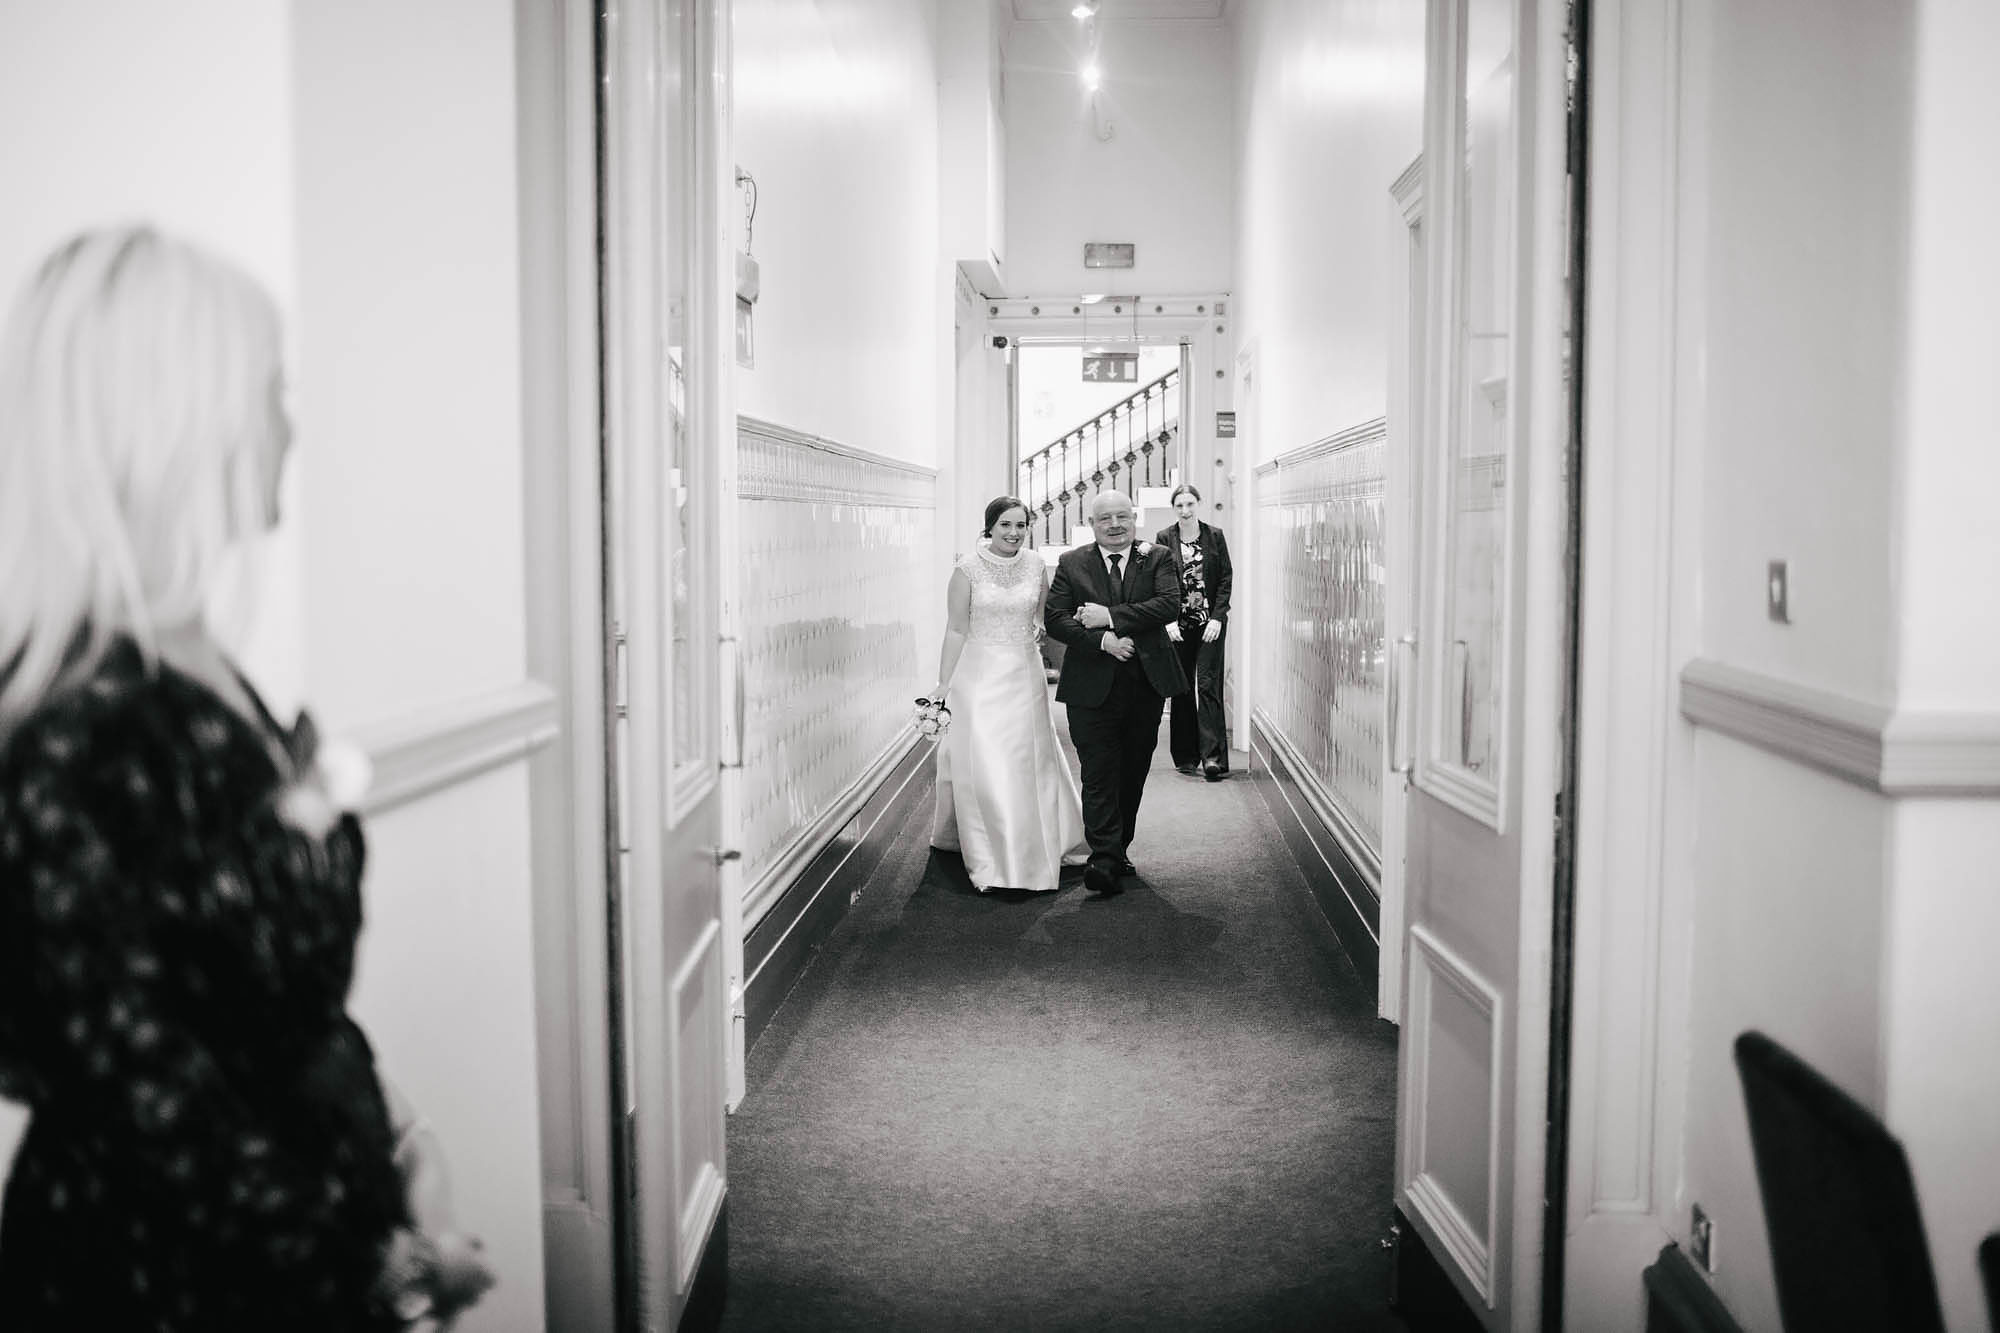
(208, 1144)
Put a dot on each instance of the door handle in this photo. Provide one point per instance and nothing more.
(733, 650)
(1401, 766)
(741, 704)
(1462, 661)
(722, 856)
(620, 706)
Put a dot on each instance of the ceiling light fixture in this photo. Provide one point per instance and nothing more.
(1085, 9)
(1092, 76)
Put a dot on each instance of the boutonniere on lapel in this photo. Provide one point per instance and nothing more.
(1143, 548)
(329, 778)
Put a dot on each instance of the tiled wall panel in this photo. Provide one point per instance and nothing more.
(837, 551)
(1319, 603)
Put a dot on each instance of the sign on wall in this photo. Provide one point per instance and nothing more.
(1109, 254)
(1111, 367)
(1225, 425)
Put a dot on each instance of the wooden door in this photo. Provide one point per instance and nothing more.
(1490, 636)
(663, 468)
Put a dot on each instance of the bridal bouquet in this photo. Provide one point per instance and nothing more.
(933, 718)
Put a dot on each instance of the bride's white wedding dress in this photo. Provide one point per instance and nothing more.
(1006, 799)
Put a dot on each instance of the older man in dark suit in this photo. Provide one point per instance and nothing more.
(1109, 603)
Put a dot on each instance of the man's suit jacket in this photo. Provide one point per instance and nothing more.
(1217, 578)
(1152, 597)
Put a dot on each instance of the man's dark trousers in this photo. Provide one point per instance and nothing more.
(1114, 745)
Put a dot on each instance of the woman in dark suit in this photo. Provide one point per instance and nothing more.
(1198, 735)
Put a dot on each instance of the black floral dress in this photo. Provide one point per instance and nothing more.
(209, 1147)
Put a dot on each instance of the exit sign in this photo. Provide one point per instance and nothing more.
(1111, 367)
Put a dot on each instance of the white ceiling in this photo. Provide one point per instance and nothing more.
(1035, 11)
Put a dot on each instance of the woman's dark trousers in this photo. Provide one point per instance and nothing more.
(1196, 732)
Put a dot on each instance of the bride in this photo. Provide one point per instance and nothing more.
(1006, 799)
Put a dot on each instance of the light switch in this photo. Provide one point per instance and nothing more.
(1778, 593)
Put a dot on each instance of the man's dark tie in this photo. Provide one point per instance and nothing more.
(1117, 580)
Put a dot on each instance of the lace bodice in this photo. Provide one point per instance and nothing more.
(1006, 597)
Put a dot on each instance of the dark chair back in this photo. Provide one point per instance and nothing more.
(1847, 1239)
(1989, 1272)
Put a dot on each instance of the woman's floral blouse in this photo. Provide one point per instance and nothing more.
(209, 1147)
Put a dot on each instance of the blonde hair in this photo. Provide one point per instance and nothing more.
(135, 381)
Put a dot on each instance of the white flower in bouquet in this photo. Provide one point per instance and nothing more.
(932, 717)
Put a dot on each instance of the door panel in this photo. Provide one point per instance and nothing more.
(1454, 1058)
(1488, 648)
(662, 586)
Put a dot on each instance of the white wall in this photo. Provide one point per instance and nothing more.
(1787, 906)
(1805, 138)
(1943, 991)
(1164, 181)
(1942, 1009)
(1804, 301)
(1329, 112)
(836, 115)
(1949, 654)
(359, 160)
(1837, 395)
(410, 400)
(971, 140)
(184, 121)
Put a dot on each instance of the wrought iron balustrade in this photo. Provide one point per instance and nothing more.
(1130, 444)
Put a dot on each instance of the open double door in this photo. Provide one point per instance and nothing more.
(1482, 670)
(1481, 664)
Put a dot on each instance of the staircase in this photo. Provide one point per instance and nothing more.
(1133, 442)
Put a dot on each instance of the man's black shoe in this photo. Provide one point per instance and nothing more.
(1099, 880)
(1212, 771)
(1189, 769)
(1125, 866)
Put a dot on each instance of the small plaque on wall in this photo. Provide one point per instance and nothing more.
(1225, 425)
(1109, 254)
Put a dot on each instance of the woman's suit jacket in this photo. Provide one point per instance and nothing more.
(1216, 575)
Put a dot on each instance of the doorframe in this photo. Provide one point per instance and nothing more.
(1645, 283)
(675, 957)
(1562, 907)
(1405, 449)
(1506, 1281)
(576, 947)
(1239, 684)
(1198, 322)
(716, 240)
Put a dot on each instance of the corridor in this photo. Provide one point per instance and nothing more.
(1173, 1108)
(1596, 399)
